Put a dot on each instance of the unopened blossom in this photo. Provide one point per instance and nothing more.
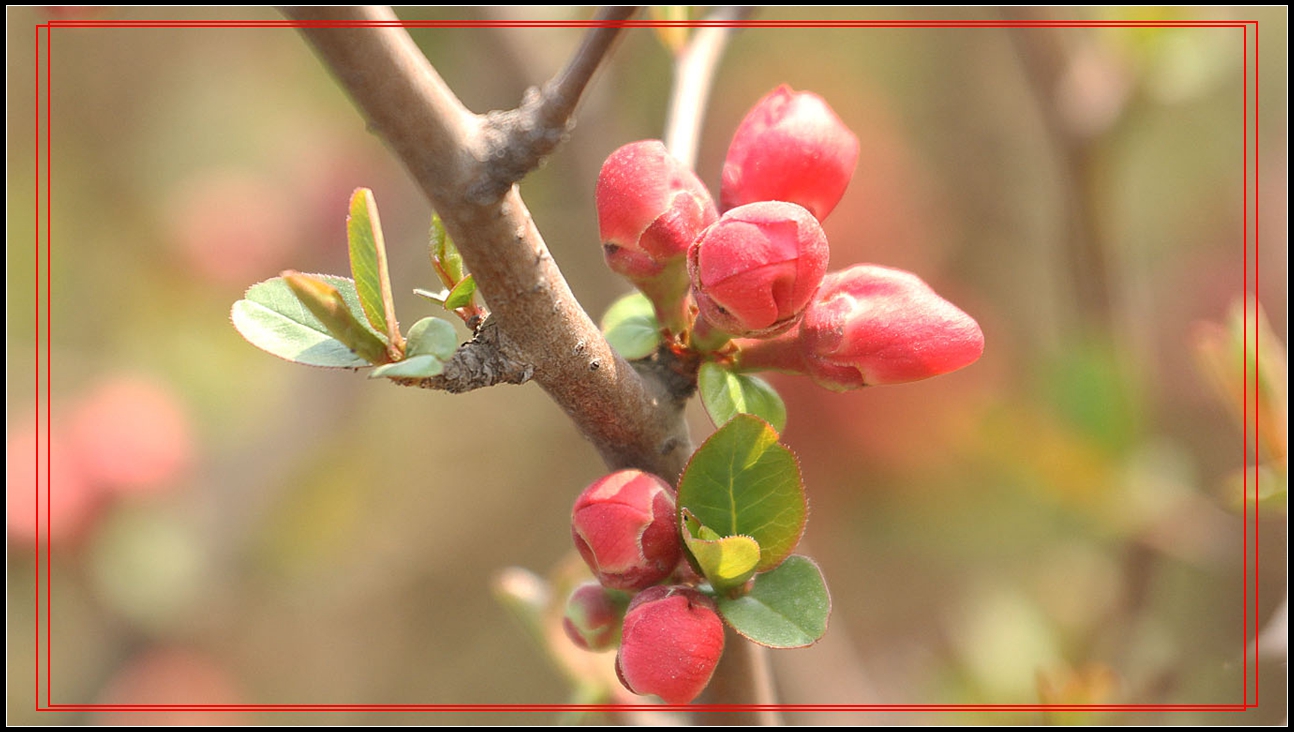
(670, 645)
(625, 529)
(790, 147)
(755, 270)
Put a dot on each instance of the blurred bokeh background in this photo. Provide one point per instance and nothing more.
(1057, 523)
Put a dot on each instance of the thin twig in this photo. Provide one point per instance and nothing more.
(526, 134)
(631, 421)
(694, 72)
(1043, 61)
(563, 91)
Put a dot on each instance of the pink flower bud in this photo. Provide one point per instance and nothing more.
(670, 645)
(593, 615)
(790, 147)
(650, 208)
(624, 527)
(754, 271)
(873, 325)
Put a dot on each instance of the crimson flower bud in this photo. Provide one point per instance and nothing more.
(593, 615)
(872, 325)
(624, 527)
(790, 147)
(650, 208)
(670, 645)
(755, 270)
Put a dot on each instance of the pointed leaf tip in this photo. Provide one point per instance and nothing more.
(326, 303)
(369, 267)
(271, 317)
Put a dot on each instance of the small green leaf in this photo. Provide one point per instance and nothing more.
(326, 303)
(272, 318)
(741, 482)
(726, 394)
(368, 264)
(444, 255)
(786, 608)
(432, 337)
(631, 328)
(727, 561)
(414, 367)
(461, 295)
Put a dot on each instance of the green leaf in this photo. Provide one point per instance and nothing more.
(631, 328)
(444, 255)
(742, 482)
(432, 337)
(272, 318)
(461, 295)
(368, 264)
(414, 367)
(726, 394)
(786, 608)
(727, 561)
(326, 303)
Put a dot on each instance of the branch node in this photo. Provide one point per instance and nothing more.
(486, 360)
(516, 141)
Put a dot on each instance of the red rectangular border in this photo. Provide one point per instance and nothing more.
(46, 29)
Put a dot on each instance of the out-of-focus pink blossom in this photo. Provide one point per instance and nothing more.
(131, 435)
(593, 616)
(71, 505)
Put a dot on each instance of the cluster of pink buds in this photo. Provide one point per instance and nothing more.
(625, 527)
(745, 284)
(757, 271)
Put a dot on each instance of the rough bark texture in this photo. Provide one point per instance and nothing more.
(452, 154)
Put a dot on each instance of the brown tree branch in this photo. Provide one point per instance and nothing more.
(468, 166)
(488, 359)
(523, 136)
(631, 421)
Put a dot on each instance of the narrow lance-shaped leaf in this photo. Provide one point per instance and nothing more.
(742, 482)
(444, 255)
(369, 267)
(461, 295)
(326, 303)
(271, 317)
(785, 608)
